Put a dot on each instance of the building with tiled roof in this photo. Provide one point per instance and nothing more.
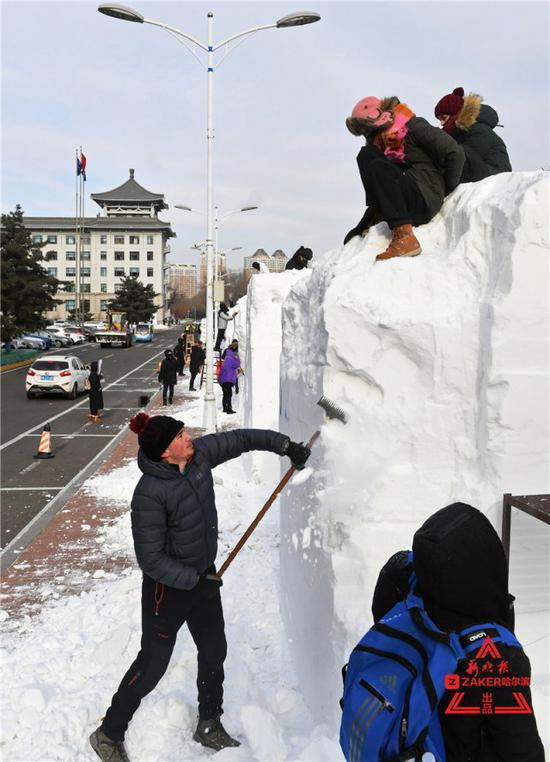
(126, 238)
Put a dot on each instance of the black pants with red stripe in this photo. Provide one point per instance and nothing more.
(164, 610)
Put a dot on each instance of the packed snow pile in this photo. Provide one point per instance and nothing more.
(261, 361)
(441, 365)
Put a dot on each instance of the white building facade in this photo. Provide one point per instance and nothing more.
(126, 238)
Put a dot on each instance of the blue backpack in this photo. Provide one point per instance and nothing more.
(395, 680)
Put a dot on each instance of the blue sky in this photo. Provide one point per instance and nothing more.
(132, 96)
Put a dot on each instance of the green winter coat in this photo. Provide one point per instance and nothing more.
(434, 160)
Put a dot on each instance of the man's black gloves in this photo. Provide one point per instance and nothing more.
(298, 454)
(208, 585)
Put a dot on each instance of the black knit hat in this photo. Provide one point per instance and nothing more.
(155, 433)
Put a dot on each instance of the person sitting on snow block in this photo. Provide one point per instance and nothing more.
(175, 531)
(472, 123)
(462, 576)
(300, 258)
(407, 168)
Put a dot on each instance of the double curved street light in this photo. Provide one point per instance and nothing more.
(299, 18)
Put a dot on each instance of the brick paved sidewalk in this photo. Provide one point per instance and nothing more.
(63, 558)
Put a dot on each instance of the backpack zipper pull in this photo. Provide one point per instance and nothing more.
(404, 728)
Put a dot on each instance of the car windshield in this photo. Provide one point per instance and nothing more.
(50, 365)
(142, 329)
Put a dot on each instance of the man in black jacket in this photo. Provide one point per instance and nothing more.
(179, 354)
(175, 531)
(300, 258)
(462, 575)
(168, 376)
(198, 356)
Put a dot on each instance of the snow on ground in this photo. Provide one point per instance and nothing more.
(62, 667)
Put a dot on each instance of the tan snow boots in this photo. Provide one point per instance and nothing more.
(403, 244)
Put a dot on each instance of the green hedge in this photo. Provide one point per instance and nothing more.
(17, 355)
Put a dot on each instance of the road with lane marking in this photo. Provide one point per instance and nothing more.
(29, 485)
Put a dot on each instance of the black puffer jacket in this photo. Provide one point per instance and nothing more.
(463, 577)
(174, 517)
(168, 373)
(485, 151)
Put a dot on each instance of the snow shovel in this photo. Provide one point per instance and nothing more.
(332, 411)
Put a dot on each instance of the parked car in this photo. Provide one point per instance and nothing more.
(64, 374)
(32, 342)
(74, 336)
(44, 336)
(60, 338)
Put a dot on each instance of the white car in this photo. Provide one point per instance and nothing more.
(56, 373)
(68, 332)
(59, 338)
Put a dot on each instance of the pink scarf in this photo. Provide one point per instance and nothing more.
(392, 140)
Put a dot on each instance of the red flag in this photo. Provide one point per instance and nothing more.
(83, 165)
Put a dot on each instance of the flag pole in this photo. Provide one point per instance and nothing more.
(77, 237)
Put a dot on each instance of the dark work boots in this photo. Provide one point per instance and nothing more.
(211, 733)
(107, 749)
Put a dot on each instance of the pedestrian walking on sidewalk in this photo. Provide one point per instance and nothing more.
(179, 354)
(229, 373)
(96, 393)
(175, 531)
(198, 356)
(168, 376)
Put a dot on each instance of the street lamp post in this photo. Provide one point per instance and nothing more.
(217, 253)
(292, 19)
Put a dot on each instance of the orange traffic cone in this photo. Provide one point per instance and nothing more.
(44, 449)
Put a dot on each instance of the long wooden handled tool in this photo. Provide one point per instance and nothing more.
(332, 411)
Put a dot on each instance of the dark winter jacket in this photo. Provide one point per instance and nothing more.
(198, 356)
(179, 354)
(96, 393)
(296, 262)
(462, 575)
(485, 151)
(433, 160)
(431, 157)
(168, 373)
(174, 517)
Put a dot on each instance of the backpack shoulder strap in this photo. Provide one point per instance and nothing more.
(471, 638)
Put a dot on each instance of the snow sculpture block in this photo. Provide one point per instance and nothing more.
(441, 363)
(260, 384)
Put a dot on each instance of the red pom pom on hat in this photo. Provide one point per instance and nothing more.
(139, 422)
(459, 91)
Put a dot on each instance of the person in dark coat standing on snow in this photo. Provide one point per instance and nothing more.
(300, 258)
(198, 356)
(96, 393)
(175, 531)
(407, 168)
(472, 123)
(462, 576)
(179, 354)
(168, 376)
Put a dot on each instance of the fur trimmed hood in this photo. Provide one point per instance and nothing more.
(474, 111)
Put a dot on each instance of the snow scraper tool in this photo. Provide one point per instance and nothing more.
(332, 411)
